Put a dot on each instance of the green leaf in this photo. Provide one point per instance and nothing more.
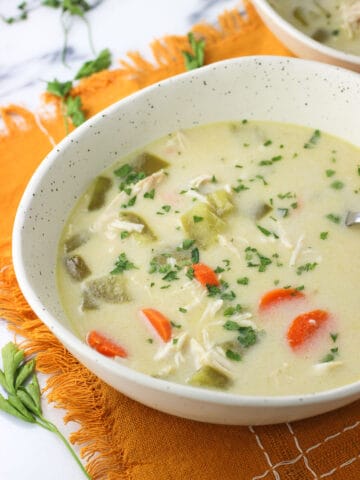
(122, 264)
(101, 62)
(15, 402)
(51, 3)
(314, 140)
(74, 110)
(3, 382)
(247, 337)
(196, 58)
(12, 357)
(6, 406)
(33, 390)
(60, 89)
(233, 355)
(29, 403)
(75, 7)
(24, 372)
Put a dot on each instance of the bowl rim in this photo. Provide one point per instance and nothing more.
(291, 30)
(129, 374)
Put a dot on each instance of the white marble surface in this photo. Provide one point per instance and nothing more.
(30, 54)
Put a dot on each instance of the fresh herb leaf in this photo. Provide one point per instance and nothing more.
(324, 235)
(334, 336)
(267, 143)
(60, 89)
(337, 185)
(74, 110)
(124, 234)
(231, 325)
(197, 219)
(236, 357)
(247, 336)
(314, 140)
(255, 259)
(243, 281)
(190, 273)
(333, 218)
(101, 62)
(187, 243)
(182, 310)
(196, 58)
(150, 194)
(229, 311)
(195, 255)
(122, 264)
(330, 173)
(307, 267)
(170, 276)
(175, 325)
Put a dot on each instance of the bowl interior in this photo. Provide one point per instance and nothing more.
(261, 88)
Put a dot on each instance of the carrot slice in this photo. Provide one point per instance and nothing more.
(104, 345)
(161, 324)
(205, 275)
(304, 326)
(279, 295)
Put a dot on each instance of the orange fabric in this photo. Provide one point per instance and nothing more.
(120, 438)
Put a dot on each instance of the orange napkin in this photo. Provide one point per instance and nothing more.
(120, 438)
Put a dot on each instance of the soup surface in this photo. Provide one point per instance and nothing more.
(335, 23)
(218, 257)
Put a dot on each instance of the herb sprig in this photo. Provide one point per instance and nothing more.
(196, 58)
(19, 380)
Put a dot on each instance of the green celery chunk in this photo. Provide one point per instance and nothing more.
(300, 14)
(88, 301)
(77, 268)
(146, 235)
(76, 241)
(101, 187)
(110, 289)
(262, 211)
(202, 224)
(220, 201)
(149, 163)
(208, 376)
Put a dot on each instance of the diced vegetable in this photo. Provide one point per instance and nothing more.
(88, 301)
(101, 187)
(104, 345)
(279, 295)
(182, 257)
(110, 289)
(77, 268)
(202, 224)
(160, 323)
(76, 241)
(300, 14)
(146, 235)
(304, 326)
(220, 201)
(149, 163)
(208, 376)
(262, 210)
(205, 275)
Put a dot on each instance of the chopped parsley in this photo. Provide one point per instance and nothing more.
(222, 292)
(229, 311)
(150, 340)
(124, 234)
(330, 173)
(231, 325)
(271, 161)
(130, 203)
(175, 341)
(175, 325)
(187, 243)
(150, 194)
(283, 212)
(122, 264)
(197, 219)
(282, 196)
(236, 357)
(243, 281)
(247, 336)
(267, 143)
(170, 276)
(128, 176)
(334, 336)
(314, 140)
(266, 232)
(337, 185)
(333, 218)
(324, 235)
(190, 273)
(307, 267)
(195, 255)
(255, 259)
(241, 187)
(182, 310)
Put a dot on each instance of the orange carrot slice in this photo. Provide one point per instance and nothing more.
(279, 295)
(161, 324)
(304, 326)
(205, 275)
(104, 345)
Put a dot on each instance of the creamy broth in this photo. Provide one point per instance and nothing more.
(260, 207)
(332, 22)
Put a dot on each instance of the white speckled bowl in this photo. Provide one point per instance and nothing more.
(262, 88)
(301, 44)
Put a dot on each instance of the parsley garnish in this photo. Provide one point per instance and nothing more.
(324, 235)
(330, 173)
(243, 281)
(337, 185)
(187, 243)
(333, 218)
(271, 161)
(229, 311)
(195, 255)
(247, 336)
(175, 325)
(314, 140)
(266, 232)
(196, 58)
(122, 264)
(182, 310)
(190, 273)
(170, 276)
(233, 355)
(124, 234)
(150, 194)
(262, 262)
(197, 219)
(241, 187)
(101, 62)
(307, 267)
(267, 143)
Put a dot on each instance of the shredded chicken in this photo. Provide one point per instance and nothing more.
(282, 235)
(200, 180)
(197, 195)
(225, 242)
(172, 349)
(296, 251)
(350, 12)
(325, 367)
(211, 357)
(211, 310)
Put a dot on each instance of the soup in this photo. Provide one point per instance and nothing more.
(218, 257)
(332, 22)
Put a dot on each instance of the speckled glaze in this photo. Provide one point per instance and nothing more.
(261, 88)
(301, 44)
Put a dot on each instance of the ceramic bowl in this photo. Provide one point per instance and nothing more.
(260, 88)
(301, 44)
